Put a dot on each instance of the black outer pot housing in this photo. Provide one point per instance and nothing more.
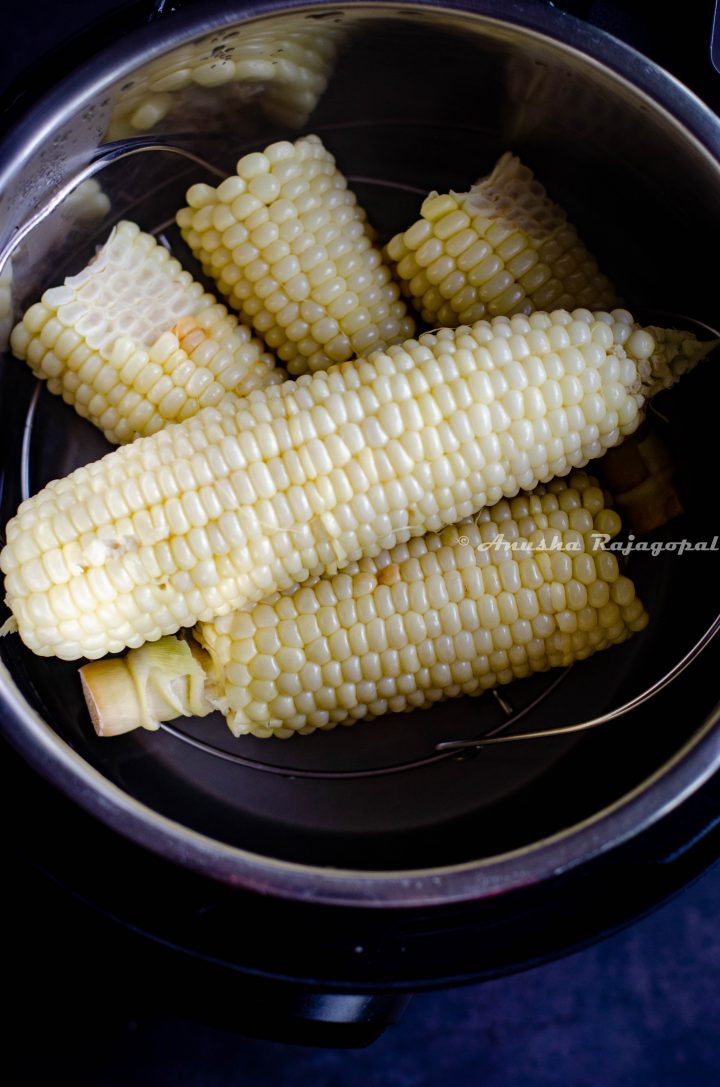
(612, 826)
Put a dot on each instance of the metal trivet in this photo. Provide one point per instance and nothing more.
(510, 714)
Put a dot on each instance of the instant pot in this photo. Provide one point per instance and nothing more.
(302, 890)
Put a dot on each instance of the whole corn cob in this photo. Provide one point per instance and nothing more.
(525, 587)
(289, 247)
(256, 495)
(133, 343)
(501, 248)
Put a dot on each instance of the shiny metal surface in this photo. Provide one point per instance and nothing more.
(422, 96)
(593, 722)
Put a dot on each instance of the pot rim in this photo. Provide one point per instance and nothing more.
(650, 801)
(657, 86)
(629, 816)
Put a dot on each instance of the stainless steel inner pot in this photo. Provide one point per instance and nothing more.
(409, 97)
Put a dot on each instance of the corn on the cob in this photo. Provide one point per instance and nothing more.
(133, 343)
(251, 497)
(525, 587)
(501, 248)
(289, 247)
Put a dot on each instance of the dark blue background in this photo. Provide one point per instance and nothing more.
(641, 1008)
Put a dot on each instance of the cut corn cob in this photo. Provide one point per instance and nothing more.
(501, 248)
(253, 496)
(133, 343)
(525, 587)
(289, 247)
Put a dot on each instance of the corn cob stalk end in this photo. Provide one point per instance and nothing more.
(157, 682)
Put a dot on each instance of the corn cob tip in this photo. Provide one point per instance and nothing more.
(157, 682)
(664, 355)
